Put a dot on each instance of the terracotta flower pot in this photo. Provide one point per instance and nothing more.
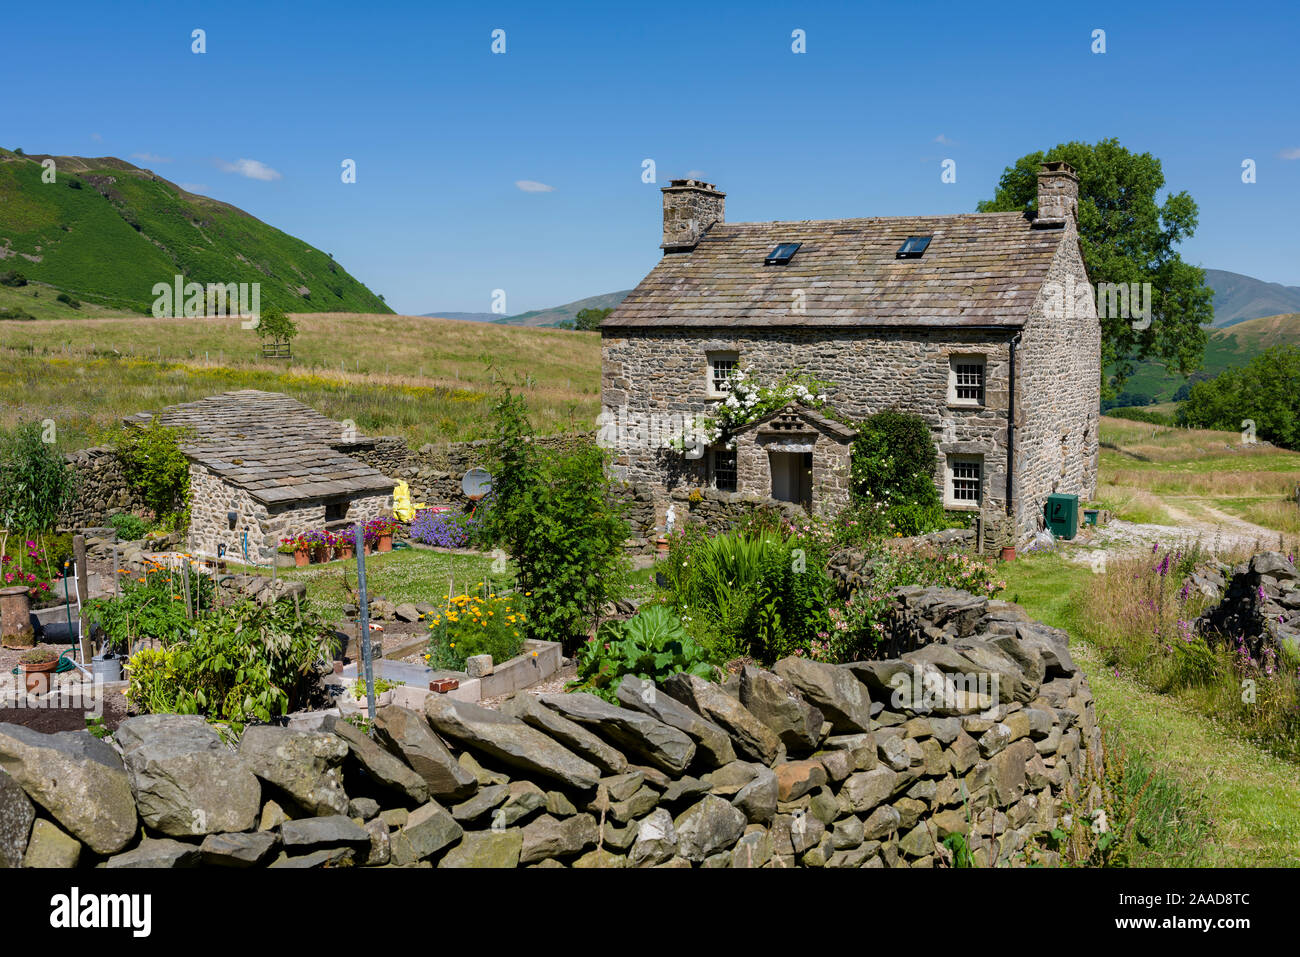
(344, 551)
(37, 675)
(1008, 553)
(300, 557)
(386, 542)
(319, 554)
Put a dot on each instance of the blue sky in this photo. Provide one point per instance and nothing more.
(442, 129)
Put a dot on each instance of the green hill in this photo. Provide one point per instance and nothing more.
(1226, 348)
(106, 231)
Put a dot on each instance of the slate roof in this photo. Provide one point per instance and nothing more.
(981, 269)
(276, 448)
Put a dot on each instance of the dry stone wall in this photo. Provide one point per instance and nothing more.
(984, 729)
(102, 489)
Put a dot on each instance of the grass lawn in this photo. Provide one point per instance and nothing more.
(1252, 796)
(405, 574)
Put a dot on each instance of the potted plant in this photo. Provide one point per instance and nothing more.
(37, 665)
(344, 546)
(1009, 546)
(380, 532)
(293, 546)
(318, 544)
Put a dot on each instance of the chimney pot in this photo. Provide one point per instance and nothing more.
(691, 206)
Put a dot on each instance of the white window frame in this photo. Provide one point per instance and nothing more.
(713, 359)
(950, 478)
(954, 364)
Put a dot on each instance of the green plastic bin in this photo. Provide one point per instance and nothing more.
(1062, 512)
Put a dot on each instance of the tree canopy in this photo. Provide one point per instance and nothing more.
(1127, 237)
(275, 325)
(1264, 393)
(590, 319)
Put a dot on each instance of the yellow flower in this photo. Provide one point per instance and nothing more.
(453, 644)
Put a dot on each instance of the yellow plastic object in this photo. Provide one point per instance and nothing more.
(403, 509)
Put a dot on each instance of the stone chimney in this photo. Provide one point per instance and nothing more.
(1058, 194)
(690, 208)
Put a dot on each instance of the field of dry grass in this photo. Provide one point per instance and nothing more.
(425, 379)
(1153, 473)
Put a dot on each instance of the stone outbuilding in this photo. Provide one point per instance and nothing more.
(984, 324)
(264, 467)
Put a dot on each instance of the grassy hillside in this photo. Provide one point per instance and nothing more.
(106, 231)
(428, 380)
(1227, 348)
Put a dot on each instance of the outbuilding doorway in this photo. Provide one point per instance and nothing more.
(792, 477)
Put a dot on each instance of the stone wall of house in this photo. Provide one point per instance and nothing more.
(102, 489)
(986, 728)
(212, 499)
(1058, 393)
(655, 375)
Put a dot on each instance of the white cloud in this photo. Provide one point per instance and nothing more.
(193, 187)
(532, 186)
(695, 174)
(942, 139)
(252, 169)
(1291, 154)
(151, 158)
(96, 137)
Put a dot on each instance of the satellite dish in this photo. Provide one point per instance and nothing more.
(476, 484)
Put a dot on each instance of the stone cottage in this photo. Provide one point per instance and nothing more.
(264, 467)
(972, 321)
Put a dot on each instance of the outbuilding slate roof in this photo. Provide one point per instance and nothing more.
(276, 448)
(981, 269)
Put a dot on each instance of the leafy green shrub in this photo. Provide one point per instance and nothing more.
(652, 645)
(15, 313)
(893, 463)
(13, 278)
(1137, 414)
(471, 624)
(36, 484)
(243, 663)
(129, 527)
(64, 298)
(556, 514)
(760, 595)
(156, 467)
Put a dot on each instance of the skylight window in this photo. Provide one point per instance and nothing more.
(782, 254)
(913, 247)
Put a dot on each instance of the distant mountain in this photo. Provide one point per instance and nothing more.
(541, 317)
(106, 231)
(1238, 298)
